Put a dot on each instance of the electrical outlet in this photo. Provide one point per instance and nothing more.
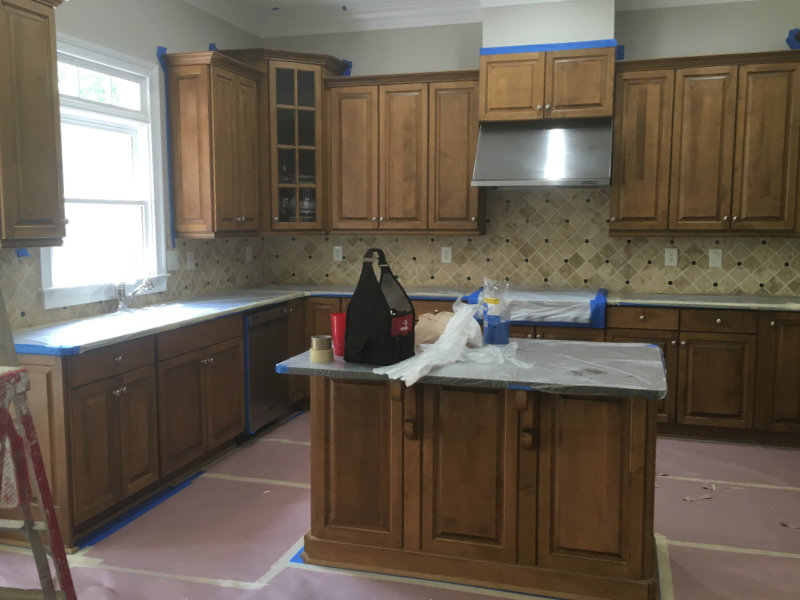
(715, 257)
(173, 260)
(447, 254)
(190, 264)
(337, 254)
(248, 254)
(671, 257)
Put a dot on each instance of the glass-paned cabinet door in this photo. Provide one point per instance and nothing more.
(295, 146)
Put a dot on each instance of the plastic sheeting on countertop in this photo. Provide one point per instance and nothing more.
(741, 302)
(579, 308)
(588, 368)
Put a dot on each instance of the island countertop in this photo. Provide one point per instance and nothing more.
(555, 366)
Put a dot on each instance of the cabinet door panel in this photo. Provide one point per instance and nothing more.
(592, 485)
(181, 411)
(452, 201)
(318, 317)
(702, 148)
(580, 83)
(138, 430)
(225, 171)
(469, 478)
(716, 379)
(31, 188)
(403, 177)
(223, 374)
(667, 341)
(767, 142)
(777, 376)
(512, 87)
(247, 155)
(642, 134)
(356, 462)
(95, 448)
(354, 157)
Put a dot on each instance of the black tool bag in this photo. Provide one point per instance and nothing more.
(380, 317)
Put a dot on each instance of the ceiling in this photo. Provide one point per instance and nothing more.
(276, 18)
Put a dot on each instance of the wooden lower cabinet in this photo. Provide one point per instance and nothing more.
(543, 494)
(777, 374)
(223, 387)
(318, 315)
(716, 379)
(138, 430)
(582, 334)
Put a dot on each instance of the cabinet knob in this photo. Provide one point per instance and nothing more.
(641, 317)
(116, 393)
(211, 360)
(275, 219)
(473, 219)
(381, 219)
(683, 343)
(538, 336)
(735, 218)
(718, 321)
(547, 107)
(772, 323)
(612, 219)
(374, 218)
(530, 336)
(674, 342)
(124, 389)
(118, 359)
(725, 217)
(65, 221)
(538, 107)
(436, 311)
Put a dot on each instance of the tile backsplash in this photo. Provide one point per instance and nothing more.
(556, 237)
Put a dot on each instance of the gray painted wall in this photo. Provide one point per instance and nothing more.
(419, 49)
(713, 29)
(137, 27)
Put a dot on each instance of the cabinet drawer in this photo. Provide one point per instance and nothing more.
(112, 360)
(727, 321)
(641, 317)
(431, 306)
(193, 337)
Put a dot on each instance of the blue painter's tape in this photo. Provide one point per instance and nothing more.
(131, 515)
(298, 558)
(282, 369)
(612, 43)
(348, 69)
(161, 51)
(47, 350)
(525, 388)
(212, 47)
(22, 252)
(793, 41)
(621, 52)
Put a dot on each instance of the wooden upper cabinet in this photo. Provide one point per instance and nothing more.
(295, 115)
(353, 121)
(767, 141)
(704, 119)
(403, 177)
(214, 124)
(642, 133)
(452, 201)
(512, 86)
(579, 83)
(31, 185)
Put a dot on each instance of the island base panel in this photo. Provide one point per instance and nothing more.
(511, 577)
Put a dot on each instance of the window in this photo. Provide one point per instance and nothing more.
(112, 189)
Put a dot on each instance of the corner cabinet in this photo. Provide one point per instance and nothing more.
(547, 85)
(213, 109)
(31, 185)
(402, 151)
(721, 158)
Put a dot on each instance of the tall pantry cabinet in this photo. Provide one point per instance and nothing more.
(31, 185)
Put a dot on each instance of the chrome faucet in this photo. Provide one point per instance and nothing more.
(123, 298)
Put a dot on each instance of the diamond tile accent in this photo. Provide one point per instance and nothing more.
(543, 226)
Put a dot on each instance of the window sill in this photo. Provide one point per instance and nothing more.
(85, 294)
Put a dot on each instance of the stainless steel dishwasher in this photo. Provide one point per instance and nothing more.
(266, 344)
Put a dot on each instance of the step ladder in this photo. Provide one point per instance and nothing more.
(22, 481)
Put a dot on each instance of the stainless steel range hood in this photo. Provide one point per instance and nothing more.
(550, 152)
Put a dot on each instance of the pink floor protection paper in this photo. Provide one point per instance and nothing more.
(727, 520)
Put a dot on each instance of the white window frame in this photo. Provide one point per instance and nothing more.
(149, 75)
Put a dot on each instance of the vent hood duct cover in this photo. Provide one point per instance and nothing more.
(552, 152)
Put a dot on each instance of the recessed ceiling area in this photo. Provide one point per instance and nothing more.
(276, 18)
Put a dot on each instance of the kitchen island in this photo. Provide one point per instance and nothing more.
(534, 478)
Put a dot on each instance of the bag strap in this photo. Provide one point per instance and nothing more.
(381, 257)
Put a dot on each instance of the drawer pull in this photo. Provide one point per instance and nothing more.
(117, 393)
(124, 389)
(772, 323)
(530, 336)
(718, 321)
(725, 218)
(118, 359)
(683, 343)
(538, 107)
(436, 311)
(612, 219)
(641, 317)
(473, 219)
(674, 342)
